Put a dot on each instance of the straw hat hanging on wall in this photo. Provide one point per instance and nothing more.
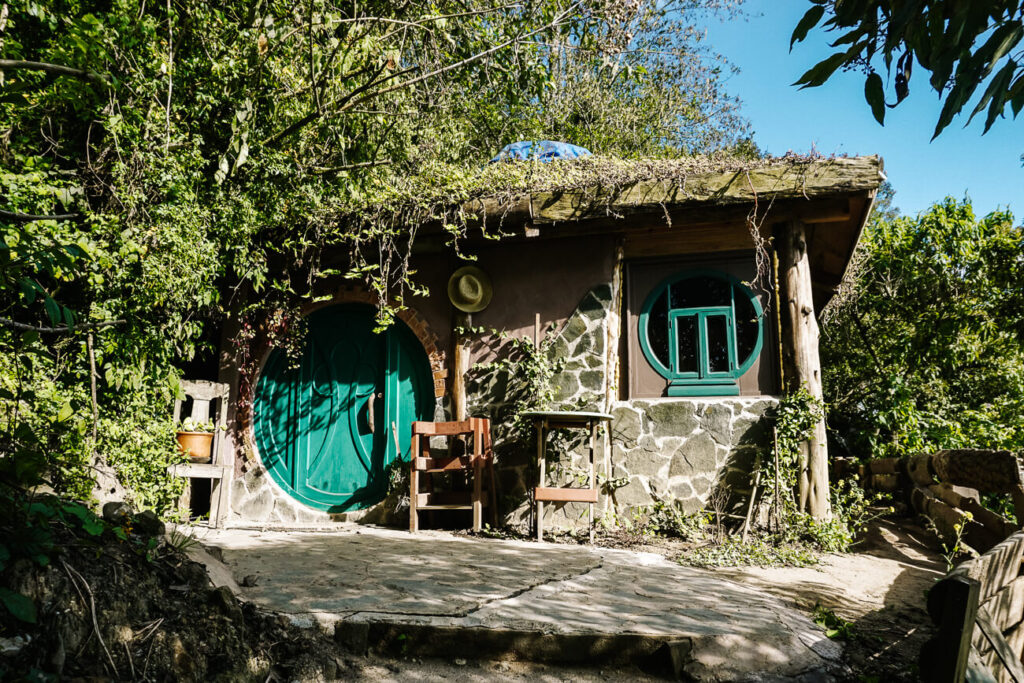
(469, 289)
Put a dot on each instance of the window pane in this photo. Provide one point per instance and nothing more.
(657, 329)
(697, 292)
(686, 343)
(747, 326)
(718, 343)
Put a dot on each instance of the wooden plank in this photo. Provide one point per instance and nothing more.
(999, 525)
(1015, 639)
(919, 467)
(197, 470)
(953, 605)
(442, 428)
(463, 462)
(885, 482)
(443, 499)
(1007, 606)
(996, 568)
(565, 495)
(985, 470)
(1009, 661)
(977, 670)
(886, 466)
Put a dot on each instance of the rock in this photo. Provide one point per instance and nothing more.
(747, 430)
(625, 426)
(697, 455)
(223, 599)
(257, 507)
(672, 418)
(574, 329)
(146, 523)
(249, 581)
(116, 512)
(647, 463)
(717, 421)
(593, 307)
(633, 494)
(566, 386)
(592, 379)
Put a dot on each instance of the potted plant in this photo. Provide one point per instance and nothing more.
(195, 439)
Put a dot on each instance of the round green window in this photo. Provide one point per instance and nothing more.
(701, 330)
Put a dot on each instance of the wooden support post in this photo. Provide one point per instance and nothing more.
(953, 605)
(460, 367)
(803, 365)
(541, 427)
(593, 477)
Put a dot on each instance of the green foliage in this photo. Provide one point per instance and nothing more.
(668, 520)
(525, 370)
(924, 348)
(835, 626)
(962, 45)
(210, 160)
(760, 550)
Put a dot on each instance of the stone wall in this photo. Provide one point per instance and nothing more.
(670, 449)
(684, 450)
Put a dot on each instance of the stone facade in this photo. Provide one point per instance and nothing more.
(684, 450)
(671, 449)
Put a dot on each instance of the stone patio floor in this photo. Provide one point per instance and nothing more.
(434, 593)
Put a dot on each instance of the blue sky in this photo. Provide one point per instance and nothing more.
(834, 118)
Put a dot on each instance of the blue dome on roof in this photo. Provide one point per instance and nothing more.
(541, 150)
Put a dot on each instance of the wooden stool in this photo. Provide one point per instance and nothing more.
(544, 421)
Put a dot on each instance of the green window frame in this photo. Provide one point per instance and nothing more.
(702, 340)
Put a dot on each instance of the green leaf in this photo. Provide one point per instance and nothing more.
(809, 21)
(52, 310)
(20, 606)
(820, 72)
(65, 412)
(874, 93)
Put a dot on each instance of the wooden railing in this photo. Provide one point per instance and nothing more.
(978, 610)
(946, 487)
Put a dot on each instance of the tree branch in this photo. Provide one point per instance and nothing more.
(4, 322)
(351, 100)
(349, 167)
(58, 69)
(28, 217)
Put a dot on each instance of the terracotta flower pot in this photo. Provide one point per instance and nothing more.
(196, 444)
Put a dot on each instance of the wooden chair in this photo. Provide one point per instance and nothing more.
(219, 469)
(475, 436)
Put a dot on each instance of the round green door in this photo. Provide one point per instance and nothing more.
(327, 429)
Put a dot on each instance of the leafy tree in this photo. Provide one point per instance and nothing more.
(962, 45)
(166, 164)
(925, 348)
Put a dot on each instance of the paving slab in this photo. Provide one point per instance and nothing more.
(435, 593)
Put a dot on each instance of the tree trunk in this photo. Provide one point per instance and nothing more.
(803, 366)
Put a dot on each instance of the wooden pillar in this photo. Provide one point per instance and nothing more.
(802, 363)
(460, 365)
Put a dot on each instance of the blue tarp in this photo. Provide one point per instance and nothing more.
(541, 150)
